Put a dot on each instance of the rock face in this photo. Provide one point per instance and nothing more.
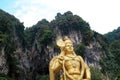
(93, 54)
(93, 51)
(26, 53)
(3, 65)
(13, 54)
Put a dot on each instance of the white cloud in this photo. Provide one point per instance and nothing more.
(102, 15)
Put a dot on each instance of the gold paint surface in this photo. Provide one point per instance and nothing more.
(71, 66)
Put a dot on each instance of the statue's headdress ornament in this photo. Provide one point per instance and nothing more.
(67, 40)
(61, 43)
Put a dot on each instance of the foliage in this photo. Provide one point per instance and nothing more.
(118, 78)
(96, 74)
(42, 32)
(102, 40)
(46, 37)
(115, 50)
(3, 39)
(69, 22)
(87, 36)
(19, 30)
(4, 77)
(10, 30)
(109, 67)
(30, 36)
(42, 77)
(114, 35)
(111, 64)
(80, 49)
(12, 60)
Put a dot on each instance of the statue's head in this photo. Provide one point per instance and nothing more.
(68, 44)
(65, 45)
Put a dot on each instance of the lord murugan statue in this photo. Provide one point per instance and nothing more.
(71, 66)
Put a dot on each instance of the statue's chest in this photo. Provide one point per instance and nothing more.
(72, 61)
(68, 58)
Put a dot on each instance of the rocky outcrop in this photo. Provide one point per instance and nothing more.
(26, 56)
(94, 50)
(3, 64)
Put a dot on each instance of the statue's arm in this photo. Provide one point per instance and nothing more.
(82, 66)
(51, 69)
(51, 73)
(87, 72)
(54, 67)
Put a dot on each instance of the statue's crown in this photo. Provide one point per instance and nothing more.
(61, 43)
(67, 39)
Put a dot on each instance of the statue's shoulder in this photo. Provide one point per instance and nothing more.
(80, 58)
(53, 60)
(56, 59)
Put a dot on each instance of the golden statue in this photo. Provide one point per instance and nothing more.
(71, 66)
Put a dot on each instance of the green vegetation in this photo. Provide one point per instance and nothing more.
(110, 63)
(96, 74)
(13, 34)
(69, 22)
(114, 35)
(4, 77)
(42, 31)
(46, 37)
(102, 40)
(10, 27)
(115, 50)
(80, 50)
(43, 77)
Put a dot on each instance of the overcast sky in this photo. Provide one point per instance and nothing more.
(102, 15)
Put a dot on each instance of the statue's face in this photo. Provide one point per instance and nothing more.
(69, 47)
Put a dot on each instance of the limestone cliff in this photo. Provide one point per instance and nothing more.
(13, 54)
(25, 53)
